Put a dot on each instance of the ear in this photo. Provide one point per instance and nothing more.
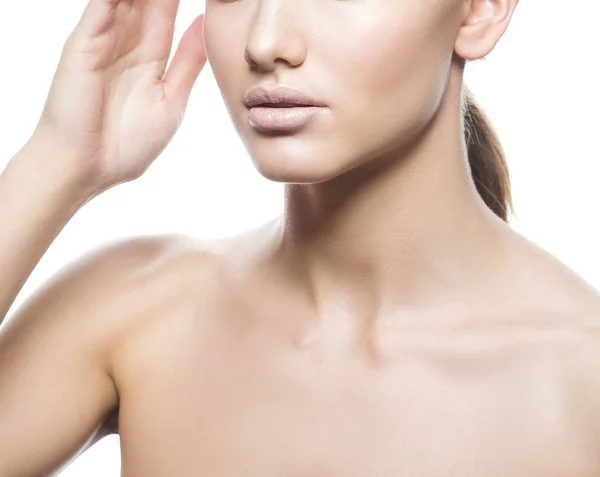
(485, 21)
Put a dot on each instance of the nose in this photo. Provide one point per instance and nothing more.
(275, 36)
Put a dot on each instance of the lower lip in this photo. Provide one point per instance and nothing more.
(282, 119)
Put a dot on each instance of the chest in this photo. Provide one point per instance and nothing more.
(445, 413)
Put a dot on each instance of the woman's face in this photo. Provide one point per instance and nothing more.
(381, 67)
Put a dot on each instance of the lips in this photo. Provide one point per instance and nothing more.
(281, 105)
(282, 118)
(281, 109)
(282, 96)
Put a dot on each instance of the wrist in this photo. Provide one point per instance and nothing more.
(42, 166)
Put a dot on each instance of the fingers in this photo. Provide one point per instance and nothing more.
(188, 61)
(166, 7)
(99, 15)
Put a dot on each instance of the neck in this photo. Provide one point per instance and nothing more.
(409, 233)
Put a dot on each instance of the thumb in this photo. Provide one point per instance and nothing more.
(187, 63)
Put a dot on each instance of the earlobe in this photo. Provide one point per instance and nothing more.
(484, 24)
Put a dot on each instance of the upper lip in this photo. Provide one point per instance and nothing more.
(281, 95)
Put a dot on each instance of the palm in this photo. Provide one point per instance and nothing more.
(111, 103)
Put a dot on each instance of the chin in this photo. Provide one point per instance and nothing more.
(296, 160)
(295, 170)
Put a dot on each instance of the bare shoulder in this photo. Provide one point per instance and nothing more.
(114, 292)
(146, 285)
(130, 281)
(61, 344)
(106, 279)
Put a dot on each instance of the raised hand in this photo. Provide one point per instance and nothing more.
(112, 107)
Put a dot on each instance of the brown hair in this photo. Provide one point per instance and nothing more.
(486, 157)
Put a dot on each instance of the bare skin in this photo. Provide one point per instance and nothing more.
(224, 373)
(245, 380)
(375, 329)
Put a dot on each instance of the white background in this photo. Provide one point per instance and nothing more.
(540, 87)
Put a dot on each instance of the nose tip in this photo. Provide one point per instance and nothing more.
(274, 41)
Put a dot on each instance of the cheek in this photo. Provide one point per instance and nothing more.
(389, 82)
(386, 65)
(388, 90)
(224, 58)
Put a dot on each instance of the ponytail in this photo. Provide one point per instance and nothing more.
(486, 157)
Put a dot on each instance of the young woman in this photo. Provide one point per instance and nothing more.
(389, 323)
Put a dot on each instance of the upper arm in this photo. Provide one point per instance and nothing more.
(56, 389)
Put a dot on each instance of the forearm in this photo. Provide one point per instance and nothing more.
(37, 199)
